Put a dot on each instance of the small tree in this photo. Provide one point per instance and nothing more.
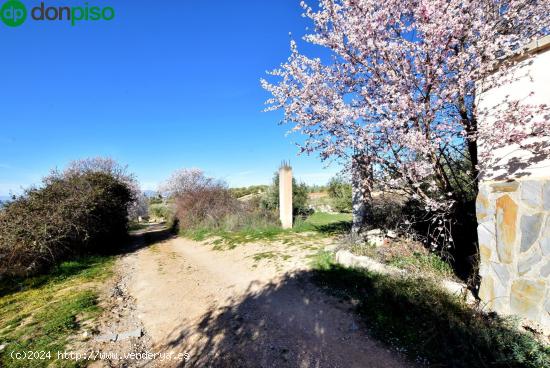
(339, 190)
(270, 199)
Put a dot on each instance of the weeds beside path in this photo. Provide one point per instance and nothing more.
(435, 328)
(59, 311)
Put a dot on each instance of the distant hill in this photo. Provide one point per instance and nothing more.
(245, 191)
(150, 193)
(3, 199)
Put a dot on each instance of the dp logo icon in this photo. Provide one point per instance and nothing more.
(13, 13)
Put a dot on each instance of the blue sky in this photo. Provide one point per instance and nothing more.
(164, 85)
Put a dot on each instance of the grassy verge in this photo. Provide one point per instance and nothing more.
(407, 255)
(430, 326)
(39, 314)
(423, 264)
(318, 224)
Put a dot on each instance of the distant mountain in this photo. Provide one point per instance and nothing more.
(3, 199)
(150, 193)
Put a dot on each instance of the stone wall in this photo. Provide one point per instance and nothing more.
(514, 247)
(513, 205)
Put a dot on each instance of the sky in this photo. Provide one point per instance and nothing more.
(162, 86)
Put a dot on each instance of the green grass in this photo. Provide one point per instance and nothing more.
(325, 223)
(317, 225)
(269, 256)
(424, 264)
(420, 319)
(231, 239)
(322, 261)
(40, 313)
(414, 261)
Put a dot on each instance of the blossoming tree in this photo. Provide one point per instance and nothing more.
(400, 88)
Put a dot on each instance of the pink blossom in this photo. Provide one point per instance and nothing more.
(401, 87)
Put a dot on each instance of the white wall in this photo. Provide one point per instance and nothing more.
(533, 76)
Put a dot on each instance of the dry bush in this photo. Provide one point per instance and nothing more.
(388, 211)
(71, 213)
(200, 201)
(206, 203)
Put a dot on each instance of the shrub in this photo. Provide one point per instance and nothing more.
(117, 171)
(408, 216)
(139, 208)
(209, 205)
(205, 205)
(200, 201)
(160, 211)
(339, 190)
(72, 213)
(270, 200)
(390, 211)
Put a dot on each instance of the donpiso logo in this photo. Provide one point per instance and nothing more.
(13, 13)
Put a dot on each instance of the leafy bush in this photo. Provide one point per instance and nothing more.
(339, 190)
(73, 213)
(107, 165)
(160, 211)
(270, 200)
(204, 205)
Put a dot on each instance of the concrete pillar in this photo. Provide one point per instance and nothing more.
(285, 195)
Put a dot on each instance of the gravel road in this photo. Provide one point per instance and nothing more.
(228, 309)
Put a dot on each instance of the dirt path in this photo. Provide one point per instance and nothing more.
(233, 308)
